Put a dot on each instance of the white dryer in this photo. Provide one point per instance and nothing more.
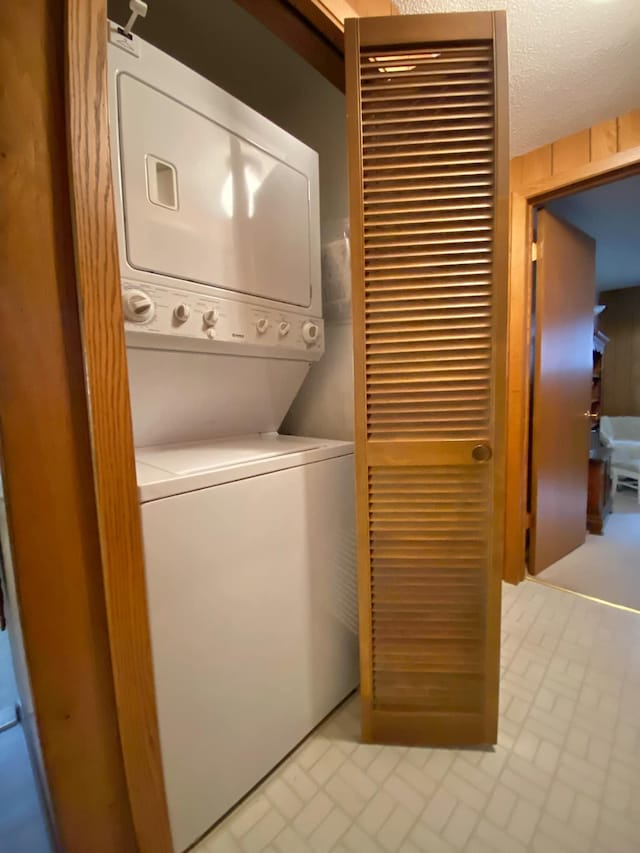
(248, 535)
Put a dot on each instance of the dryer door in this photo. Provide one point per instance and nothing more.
(203, 204)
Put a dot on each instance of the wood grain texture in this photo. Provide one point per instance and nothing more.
(426, 198)
(46, 450)
(107, 398)
(629, 130)
(537, 164)
(565, 296)
(621, 362)
(571, 151)
(603, 139)
(583, 150)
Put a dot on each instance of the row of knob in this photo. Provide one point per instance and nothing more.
(139, 308)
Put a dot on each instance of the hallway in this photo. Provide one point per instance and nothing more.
(564, 778)
(606, 567)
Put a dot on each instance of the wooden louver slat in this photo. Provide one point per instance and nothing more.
(427, 170)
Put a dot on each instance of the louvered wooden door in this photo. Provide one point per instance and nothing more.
(428, 159)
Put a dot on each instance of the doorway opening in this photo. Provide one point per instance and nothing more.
(585, 404)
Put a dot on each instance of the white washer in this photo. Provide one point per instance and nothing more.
(249, 547)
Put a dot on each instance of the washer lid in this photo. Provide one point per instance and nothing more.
(182, 459)
(171, 469)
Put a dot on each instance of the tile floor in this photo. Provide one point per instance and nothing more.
(607, 566)
(564, 777)
(23, 825)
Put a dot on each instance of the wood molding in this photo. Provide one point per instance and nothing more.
(46, 446)
(315, 28)
(552, 170)
(321, 46)
(107, 399)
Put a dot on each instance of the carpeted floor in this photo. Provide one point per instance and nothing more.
(607, 566)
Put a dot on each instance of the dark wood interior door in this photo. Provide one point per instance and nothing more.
(565, 297)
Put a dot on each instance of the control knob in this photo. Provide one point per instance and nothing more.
(283, 328)
(210, 317)
(138, 306)
(182, 312)
(310, 332)
(262, 325)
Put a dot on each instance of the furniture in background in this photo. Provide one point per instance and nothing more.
(627, 472)
(600, 340)
(600, 492)
(622, 436)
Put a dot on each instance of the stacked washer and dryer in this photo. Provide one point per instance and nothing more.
(248, 534)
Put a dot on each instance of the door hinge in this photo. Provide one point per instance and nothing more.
(534, 251)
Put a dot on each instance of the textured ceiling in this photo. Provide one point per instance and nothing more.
(611, 215)
(572, 63)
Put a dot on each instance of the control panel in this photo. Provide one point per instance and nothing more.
(192, 317)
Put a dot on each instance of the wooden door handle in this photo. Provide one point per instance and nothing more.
(481, 453)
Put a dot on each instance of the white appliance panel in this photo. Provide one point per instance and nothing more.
(254, 636)
(186, 396)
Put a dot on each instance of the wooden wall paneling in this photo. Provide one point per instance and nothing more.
(604, 139)
(428, 206)
(46, 448)
(102, 327)
(571, 151)
(621, 362)
(629, 130)
(537, 165)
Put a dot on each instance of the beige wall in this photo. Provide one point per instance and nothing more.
(621, 365)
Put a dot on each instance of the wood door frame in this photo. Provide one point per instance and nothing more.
(53, 514)
(523, 202)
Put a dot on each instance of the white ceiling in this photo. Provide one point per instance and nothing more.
(572, 63)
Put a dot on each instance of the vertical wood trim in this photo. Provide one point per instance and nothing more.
(629, 130)
(571, 151)
(519, 371)
(500, 297)
(46, 448)
(604, 139)
(354, 145)
(102, 329)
